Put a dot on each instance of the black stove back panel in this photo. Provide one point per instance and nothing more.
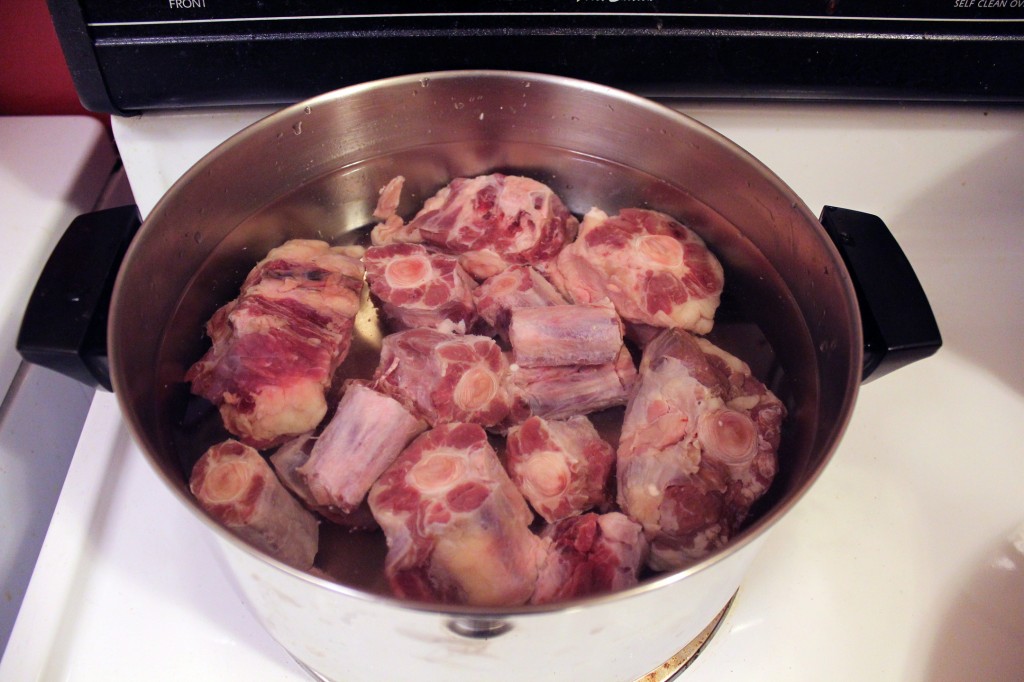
(132, 55)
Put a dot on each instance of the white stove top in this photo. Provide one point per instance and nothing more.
(51, 169)
(904, 562)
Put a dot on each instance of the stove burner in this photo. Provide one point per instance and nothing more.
(666, 672)
(674, 667)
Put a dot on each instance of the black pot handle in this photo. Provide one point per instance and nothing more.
(65, 323)
(899, 327)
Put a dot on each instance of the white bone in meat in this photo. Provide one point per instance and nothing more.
(561, 467)
(445, 377)
(654, 269)
(590, 554)
(491, 221)
(698, 447)
(276, 347)
(237, 487)
(364, 436)
(419, 287)
(457, 529)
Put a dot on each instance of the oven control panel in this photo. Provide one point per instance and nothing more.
(132, 55)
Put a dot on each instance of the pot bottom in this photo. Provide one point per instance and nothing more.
(666, 672)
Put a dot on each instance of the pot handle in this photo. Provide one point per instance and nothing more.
(899, 327)
(65, 323)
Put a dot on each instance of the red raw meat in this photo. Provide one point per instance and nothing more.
(366, 434)
(491, 221)
(276, 347)
(519, 286)
(550, 336)
(418, 287)
(458, 531)
(288, 459)
(561, 467)
(445, 378)
(590, 554)
(238, 488)
(569, 390)
(655, 270)
(698, 447)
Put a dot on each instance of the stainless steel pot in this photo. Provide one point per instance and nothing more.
(313, 170)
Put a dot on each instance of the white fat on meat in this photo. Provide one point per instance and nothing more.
(458, 531)
(561, 467)
(655, 270)
(237, 487)
(698, 447)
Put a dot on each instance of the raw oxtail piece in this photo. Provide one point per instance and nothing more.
(276, 347)
(365, 435)
(561, 467)
(237, 487)
(490, 222)
(590, 554)
(419, 287)
(288, 459)
(458, 531)
(698, 447)
(550, 336)
(655, 270)
(445, 378)
(565, 391)
(520, 286)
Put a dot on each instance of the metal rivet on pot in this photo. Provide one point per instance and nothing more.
(479, 628)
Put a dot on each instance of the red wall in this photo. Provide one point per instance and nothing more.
(34, 78)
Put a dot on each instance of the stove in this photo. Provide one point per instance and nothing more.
(905, 560)
(53, 168)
